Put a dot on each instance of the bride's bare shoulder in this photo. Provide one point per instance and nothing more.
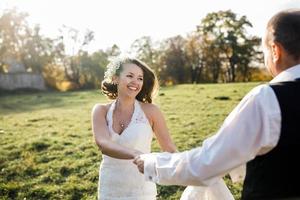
(150, 109)
(100, 108)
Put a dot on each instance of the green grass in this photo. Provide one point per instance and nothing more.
(47, 149)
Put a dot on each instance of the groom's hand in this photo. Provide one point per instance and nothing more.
(139, 163)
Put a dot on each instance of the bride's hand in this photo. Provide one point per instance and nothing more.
(136, 153)
(139, 163)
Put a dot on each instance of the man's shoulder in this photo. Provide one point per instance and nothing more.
(260, 89)
(260, 93)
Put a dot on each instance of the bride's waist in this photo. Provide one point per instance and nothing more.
(106, 160)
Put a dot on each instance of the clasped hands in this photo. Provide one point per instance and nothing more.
(139, 163)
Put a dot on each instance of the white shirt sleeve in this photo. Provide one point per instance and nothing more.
(252, 128)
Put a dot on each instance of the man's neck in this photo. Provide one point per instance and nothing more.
(287, 63)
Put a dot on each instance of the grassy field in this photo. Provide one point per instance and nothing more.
(47, 150)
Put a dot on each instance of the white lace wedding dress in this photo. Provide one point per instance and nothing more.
(217, 191)
(120, 179)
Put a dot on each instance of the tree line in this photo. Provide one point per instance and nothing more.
(218, 50)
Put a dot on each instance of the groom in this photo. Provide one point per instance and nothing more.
(263, 131)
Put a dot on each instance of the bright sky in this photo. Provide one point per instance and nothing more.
(122, 21)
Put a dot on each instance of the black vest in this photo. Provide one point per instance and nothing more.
(276, 174)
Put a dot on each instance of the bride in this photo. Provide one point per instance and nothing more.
(124, 128)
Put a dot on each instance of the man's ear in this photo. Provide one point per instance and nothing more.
(276, 49)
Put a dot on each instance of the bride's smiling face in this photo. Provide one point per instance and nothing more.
(130, 80)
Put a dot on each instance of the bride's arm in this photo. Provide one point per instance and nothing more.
(160, 128)
(102, 138)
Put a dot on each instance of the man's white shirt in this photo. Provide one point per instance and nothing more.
(251, 129)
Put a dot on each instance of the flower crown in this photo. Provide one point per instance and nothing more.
(113, 66)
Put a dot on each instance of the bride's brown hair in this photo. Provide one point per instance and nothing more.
(150, 82)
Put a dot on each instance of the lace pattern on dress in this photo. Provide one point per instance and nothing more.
(140, 117)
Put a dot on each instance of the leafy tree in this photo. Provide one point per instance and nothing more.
(249, 53)
(175, 60)
(72, 64)
(145, 50)
(13, 31)
(23, 44)
(93, 67)
(227, 32)
(37, 51)
(194, 56)
(113, 51)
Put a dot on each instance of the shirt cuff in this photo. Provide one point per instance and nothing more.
(150, 172)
